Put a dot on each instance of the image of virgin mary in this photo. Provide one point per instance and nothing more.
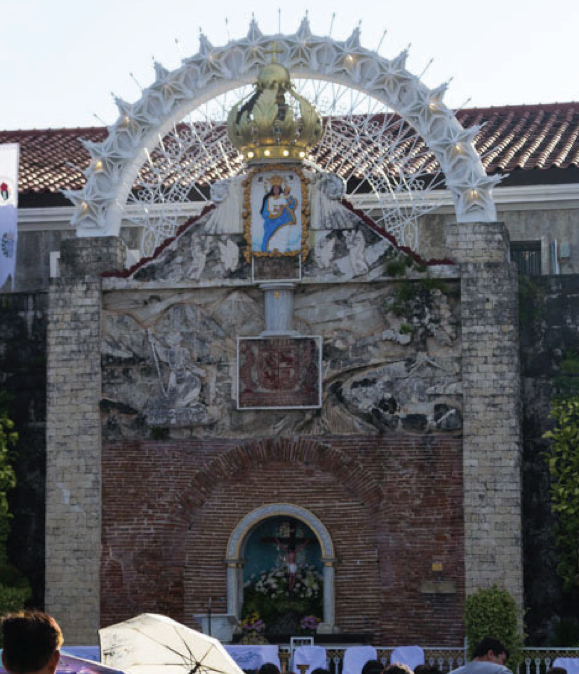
(278, 211)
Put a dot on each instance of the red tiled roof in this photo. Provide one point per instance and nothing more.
(525, 137)
(52, 159)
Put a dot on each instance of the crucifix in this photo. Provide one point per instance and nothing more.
(273, 51)
(291, 546)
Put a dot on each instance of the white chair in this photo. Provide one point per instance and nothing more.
(313, 656)
(356, 657)
(411, 656)
(570, 664)
(296, 642)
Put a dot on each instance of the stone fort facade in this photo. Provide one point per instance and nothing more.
(398, 445)
(411, 462)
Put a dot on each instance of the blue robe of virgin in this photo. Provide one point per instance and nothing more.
(272, 223)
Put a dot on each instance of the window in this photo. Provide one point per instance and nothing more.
(527, 256)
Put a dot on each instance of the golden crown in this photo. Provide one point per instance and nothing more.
(274, 121)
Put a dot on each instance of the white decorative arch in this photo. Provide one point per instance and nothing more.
(216, 70)
(239, 536)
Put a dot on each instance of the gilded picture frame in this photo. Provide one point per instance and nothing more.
(276, 211)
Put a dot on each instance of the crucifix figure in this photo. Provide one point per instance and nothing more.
(290, 546)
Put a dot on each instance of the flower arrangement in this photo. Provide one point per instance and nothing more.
(253, 623)
(309, 623)
(279, 598)
(275, 583)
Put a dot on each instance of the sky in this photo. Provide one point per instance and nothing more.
(61, 60)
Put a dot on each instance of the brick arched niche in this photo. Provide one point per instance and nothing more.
(236, 550)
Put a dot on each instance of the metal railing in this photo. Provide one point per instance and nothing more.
(535, 660)
(538, 660)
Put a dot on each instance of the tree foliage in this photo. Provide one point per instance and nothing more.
(492, 612)
(8, 440)
(563, 461)
(15, 589)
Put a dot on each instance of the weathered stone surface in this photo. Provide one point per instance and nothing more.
(346, 254)
(491, 433)
(352, 321)
(73, 435)
(198, 256)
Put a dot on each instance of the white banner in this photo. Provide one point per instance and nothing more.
(8, 211)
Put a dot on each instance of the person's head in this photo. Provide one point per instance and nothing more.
(32, 641)
(426, 669)
(269, 668)
(491, 650)
(372, 667)
(556, 670)
(397, 668)
(320, 670)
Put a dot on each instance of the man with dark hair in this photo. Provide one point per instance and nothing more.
(32, 641)
(489, 657)
(269, 668)
(372, 667)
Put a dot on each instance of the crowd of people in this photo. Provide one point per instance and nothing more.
(489, 657)
(32, 641)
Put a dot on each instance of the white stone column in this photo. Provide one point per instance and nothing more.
(279, 308)
(329, 595)
(232, 588)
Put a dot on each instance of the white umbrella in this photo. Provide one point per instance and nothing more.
(155, 644)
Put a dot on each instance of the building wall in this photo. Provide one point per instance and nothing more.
(392, 505)
(73, 438)
(527, 216)
(549, 345)
(542, 223)
(548, 330)
(23, 318)
(492, 434)
(399, 374)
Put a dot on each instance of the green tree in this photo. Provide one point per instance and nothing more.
(492, 612)
(8, 440)
(563, 461)
(15, 589)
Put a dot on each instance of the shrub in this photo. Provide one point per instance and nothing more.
(492, 612)
(563, 461)
(13, 599)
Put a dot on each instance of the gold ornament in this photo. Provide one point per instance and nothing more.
(274, 121)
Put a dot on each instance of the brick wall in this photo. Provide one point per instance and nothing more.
(392, 505)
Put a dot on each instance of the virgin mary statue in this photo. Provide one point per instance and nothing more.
(278, 211)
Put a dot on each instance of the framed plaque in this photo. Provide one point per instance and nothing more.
(279, 372)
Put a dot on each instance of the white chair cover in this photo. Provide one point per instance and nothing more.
(253, 657)
(313, 656)
(356, 657)
(296, 642)
(570, 664)
(411, 656)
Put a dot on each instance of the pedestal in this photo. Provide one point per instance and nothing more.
(218, 625)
